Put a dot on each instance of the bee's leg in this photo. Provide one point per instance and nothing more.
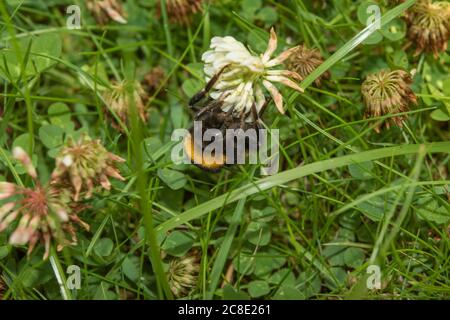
(211, 105)
(255, 113)
(197, 108)
(230, 111)
(257, 116)
(242, 123)
(199, 95)
(227, 116)
(236, 140)
(257, 120)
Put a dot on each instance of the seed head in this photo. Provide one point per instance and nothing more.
(104, 10)
(304, 61)
(429, 26)
(118, 100)
(154, 78)
(181, 11)
(388, 92)
(182, 275)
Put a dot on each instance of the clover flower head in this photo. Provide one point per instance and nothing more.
(44, 213)
(183, 274)
(429, 26)
(245, 74)
(117, 100)
(388, 92)
(104, 10)
(83, 164)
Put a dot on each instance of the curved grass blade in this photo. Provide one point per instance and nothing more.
(384, 239)
(355, 41)
(60, 275)
(296, 173)
(354, 204)
(222, 255)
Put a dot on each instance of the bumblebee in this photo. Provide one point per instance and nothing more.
(211, 116)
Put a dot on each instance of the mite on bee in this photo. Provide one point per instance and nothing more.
(215, 126)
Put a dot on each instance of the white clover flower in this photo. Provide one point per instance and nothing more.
(240, 85)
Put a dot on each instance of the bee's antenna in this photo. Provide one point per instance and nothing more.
(199, 95)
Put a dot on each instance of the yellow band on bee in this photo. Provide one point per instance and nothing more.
(195, 155)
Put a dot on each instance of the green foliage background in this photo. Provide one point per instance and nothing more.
(345, 197)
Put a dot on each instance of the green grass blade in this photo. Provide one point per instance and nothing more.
(384, 239)
(222, 256)
(367, 197)
(296, 173)
(60, 275)
(96, 236)
(354, 42)
(137, 138)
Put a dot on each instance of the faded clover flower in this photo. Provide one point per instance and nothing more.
(388, 92)
(429, 26)
(154, 78)
(118, 100)
(44, 212)
(304, 61)
(239, 85)
(182, 275)
(180, 11)
(84, 164)
(104, 10)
